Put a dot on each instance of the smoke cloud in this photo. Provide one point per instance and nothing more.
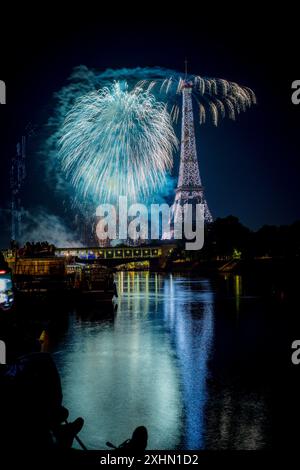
(38, 225)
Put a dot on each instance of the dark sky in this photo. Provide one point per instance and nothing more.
(250, 168)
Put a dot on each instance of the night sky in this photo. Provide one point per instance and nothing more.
(250, 168)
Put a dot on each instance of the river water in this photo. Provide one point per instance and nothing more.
(184, 356)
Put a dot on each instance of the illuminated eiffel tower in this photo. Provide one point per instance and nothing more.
(189, 188)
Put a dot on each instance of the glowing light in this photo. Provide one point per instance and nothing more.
(115, 141)
(216, 98)
(119, 140)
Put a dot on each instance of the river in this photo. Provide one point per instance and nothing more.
(187, 357)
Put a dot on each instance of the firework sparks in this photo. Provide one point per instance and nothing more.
(216, 98)
(85, 147)
(115, 141)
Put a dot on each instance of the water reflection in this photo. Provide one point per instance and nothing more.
(238, 410)
(123, 374)
(189, 316)
(170, 358)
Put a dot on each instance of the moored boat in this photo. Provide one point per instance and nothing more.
(92, 281)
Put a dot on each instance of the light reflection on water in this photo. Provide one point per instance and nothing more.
(192, 338)
(150, 365)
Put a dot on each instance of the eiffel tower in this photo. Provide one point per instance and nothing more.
(189, 188)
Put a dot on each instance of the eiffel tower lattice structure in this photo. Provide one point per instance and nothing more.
(189, 188)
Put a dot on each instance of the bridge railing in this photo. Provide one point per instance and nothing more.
(105, 253)
(110, 253)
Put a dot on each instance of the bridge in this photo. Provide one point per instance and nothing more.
(155, 256)
(114, 256)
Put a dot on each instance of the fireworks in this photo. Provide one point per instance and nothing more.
(109, 137)
(216, 98)
(117, 142)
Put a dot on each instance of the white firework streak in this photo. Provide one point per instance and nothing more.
(117, 142)
(217, 98)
